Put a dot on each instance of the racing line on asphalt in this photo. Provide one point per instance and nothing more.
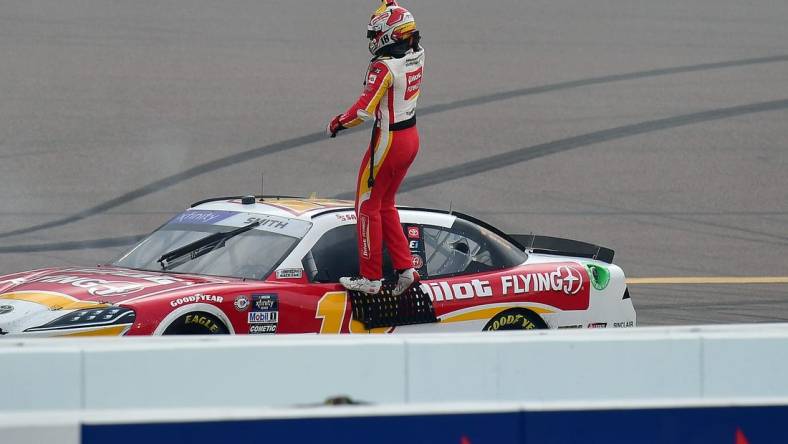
(493, 162)
(438, 176)
(707, 280)
(545, 149)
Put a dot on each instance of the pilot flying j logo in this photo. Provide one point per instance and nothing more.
(564, 278)
(96, 287)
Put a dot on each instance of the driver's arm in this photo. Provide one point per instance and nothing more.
(378, 81)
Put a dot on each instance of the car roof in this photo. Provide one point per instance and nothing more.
(308, 208)
(291, 207)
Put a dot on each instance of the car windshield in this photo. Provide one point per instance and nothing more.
(251, 254)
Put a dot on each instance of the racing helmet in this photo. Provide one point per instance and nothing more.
(391, 26)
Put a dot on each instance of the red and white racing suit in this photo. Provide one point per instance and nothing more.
(390, 93)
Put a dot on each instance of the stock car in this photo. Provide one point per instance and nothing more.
(271, 265)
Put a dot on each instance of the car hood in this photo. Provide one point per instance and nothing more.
(35, 298)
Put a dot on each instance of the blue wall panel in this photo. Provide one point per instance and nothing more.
(498, 428)
(718, 425)
(652, 426)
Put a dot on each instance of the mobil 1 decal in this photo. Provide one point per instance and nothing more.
(415, 238)
(263, 315)
(563, 285)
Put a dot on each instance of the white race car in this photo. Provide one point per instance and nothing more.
(270, 265)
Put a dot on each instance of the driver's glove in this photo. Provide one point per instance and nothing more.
(334, 127)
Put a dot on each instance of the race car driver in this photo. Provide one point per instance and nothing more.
(391, 89)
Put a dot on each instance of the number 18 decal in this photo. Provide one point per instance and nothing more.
(332, 309)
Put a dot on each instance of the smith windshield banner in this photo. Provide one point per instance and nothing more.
(718, 425)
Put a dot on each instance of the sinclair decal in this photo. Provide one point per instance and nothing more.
(562, 285)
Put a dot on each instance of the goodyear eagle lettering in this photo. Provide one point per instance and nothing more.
(199, 297)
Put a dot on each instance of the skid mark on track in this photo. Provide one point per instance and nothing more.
(315, 137)
(510, 158)
(545, 149)
(106, 242)
(504, 95)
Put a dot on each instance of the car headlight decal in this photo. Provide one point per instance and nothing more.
(90, 317)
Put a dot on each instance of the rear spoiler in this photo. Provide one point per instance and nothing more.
(562, 247)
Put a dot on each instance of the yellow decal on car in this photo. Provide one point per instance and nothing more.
(113, 330)
(52, 300)
(301, 206)
(487, 313)
(331, 309)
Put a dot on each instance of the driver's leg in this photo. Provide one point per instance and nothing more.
(403, 152)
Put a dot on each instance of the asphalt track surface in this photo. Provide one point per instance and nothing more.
(659, 129)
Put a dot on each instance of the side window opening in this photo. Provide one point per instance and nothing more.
(453, 253)
(336, 255)
(466, 248)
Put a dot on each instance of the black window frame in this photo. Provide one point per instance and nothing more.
(351, 271)
(476, 229)
(477, 224)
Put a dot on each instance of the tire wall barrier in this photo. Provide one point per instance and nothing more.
(589, 365)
